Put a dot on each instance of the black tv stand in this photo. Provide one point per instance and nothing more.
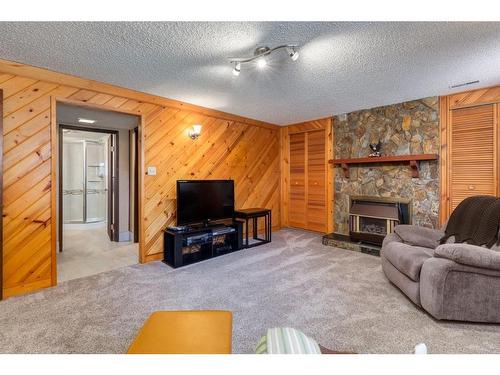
(195, 244)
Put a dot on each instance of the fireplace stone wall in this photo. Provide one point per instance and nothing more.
(405, 128)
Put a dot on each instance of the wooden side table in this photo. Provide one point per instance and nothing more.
(254, 214)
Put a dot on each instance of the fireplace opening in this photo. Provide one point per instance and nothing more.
(372, 218)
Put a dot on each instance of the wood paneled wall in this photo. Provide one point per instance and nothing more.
(293, 151)
(225, 150)
(230, 147)
(471, 165)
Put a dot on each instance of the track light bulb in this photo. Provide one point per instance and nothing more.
(237, 69)
(261, 63)
(293, 53)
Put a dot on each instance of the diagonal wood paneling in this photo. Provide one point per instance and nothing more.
(225, 150)
(474, 97)
(229, 147)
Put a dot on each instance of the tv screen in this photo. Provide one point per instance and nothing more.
(201, 201)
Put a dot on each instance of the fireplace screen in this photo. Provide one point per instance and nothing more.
(373, 225)
(371, 218)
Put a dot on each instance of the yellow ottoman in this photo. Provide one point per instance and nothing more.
(185, 332)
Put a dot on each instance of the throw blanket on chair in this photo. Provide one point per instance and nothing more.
(476, 220)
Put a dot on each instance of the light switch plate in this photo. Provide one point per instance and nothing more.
(151, 171)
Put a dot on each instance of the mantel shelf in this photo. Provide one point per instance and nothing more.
(412, 160)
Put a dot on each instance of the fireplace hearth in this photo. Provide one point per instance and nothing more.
(372, 218)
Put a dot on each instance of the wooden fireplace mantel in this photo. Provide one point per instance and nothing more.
(412, 160)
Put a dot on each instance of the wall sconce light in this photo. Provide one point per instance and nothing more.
(195, 131)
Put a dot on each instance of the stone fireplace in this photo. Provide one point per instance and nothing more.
(407, 128)
(372, 218)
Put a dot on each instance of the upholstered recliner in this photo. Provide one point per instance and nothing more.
(453, 281)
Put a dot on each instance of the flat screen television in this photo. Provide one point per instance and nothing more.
(202, 201)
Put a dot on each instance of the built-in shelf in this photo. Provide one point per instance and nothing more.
(412, 160)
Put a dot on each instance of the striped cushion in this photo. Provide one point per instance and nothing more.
(286, 340)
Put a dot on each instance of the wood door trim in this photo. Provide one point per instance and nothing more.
(312, 125)
(474, 98)
(443, 159)
(306, 180)
(1, 195)
(141, 190)
(496, 129)
(60, 187)
(329, 175)
(115, 197)
(136, 184)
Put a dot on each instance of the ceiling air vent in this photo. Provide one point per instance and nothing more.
(464, 84)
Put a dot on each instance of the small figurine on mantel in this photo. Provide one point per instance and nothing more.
(375, 147)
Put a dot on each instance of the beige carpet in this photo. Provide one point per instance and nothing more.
(339, 297)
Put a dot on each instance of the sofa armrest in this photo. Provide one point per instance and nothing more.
(419, 236)
(454, 291)
(469, 255)
(391, 237)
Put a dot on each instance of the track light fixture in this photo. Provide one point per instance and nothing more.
(260, 54)
(292, 52)
(261, 62)
(237, 69)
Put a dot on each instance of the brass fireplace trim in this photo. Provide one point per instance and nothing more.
(384, 200)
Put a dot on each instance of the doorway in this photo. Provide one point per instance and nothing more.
(89, 178)
(96, 194)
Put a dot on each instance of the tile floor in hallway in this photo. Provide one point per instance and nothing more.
(88, 251)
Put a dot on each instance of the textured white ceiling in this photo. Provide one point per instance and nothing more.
(342, 66)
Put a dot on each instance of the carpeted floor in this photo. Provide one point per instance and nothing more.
(341, 298)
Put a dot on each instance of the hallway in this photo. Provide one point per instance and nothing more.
(88, 251)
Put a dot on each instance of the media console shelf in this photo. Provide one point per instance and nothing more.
(196, 244)
(412, 160)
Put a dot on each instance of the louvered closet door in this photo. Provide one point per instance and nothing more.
(316, 176)
(297, 204)
(473, 153)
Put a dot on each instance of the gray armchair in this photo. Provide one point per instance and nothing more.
(451, 281)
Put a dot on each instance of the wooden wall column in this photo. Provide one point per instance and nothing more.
(1, 194)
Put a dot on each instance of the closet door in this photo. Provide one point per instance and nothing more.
(297, 203)
(473, 153)
(316, 179)
(497, 129)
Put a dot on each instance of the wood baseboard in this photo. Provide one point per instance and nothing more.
(26, 288)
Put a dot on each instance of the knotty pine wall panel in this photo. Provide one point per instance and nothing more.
(239, 149)
(225, 150)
